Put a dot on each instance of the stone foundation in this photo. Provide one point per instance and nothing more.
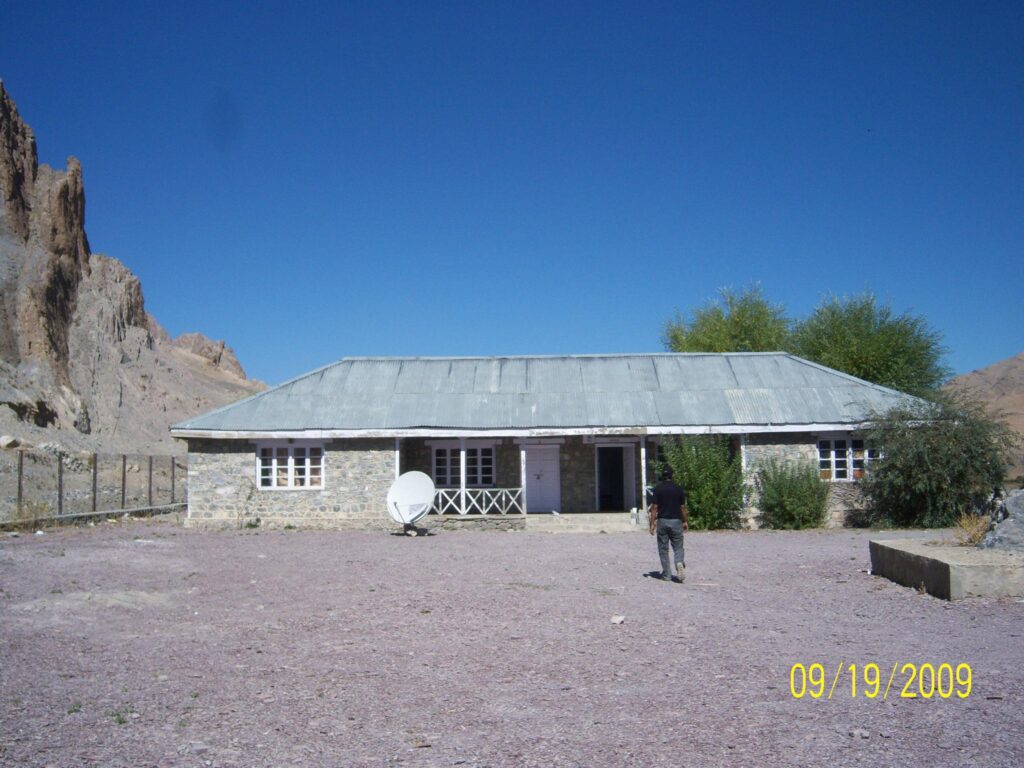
(845, 505)
(474, 522)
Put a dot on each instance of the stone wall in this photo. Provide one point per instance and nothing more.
(794, 446)
(577, 470)
(845, 501)
(358, 473)
(416, 456)
(507, 473)
(222, 487)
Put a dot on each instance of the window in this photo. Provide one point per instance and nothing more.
(290, 466)
(862, 456)
(479, 467)
(843, 459)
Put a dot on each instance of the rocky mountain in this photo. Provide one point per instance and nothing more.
(82, 363)
(1001, 386)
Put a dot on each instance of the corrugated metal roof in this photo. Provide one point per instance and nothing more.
(579, 391)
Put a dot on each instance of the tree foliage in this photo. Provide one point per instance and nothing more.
(736, 322)
(790, 495)
(858, 336)
(940, 459)
(710, 472)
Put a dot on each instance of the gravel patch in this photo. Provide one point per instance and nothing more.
(145, 644)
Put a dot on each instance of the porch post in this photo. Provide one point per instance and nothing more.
(643, 473)
(462, 475)
(398, 441)
(522, 475)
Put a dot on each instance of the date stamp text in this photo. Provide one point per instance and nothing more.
(907, 680)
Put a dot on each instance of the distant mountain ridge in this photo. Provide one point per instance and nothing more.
(82, 363)
(1001, 386)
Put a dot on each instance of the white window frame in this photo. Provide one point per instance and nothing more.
(275, 446)
(452, 447)
(848, 456)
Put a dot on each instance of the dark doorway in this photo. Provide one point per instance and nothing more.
(610, 480)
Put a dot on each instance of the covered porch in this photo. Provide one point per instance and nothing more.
(509, 475)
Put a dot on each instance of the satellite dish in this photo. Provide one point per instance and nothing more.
(410, 497)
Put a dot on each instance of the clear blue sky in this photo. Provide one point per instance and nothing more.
(309, 181)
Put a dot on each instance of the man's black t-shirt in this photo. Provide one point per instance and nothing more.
(670, 498)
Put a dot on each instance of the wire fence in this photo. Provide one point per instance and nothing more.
(43, 485)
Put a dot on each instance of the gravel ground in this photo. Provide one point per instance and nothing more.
(145, 644)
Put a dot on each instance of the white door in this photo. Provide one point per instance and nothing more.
(543, 486)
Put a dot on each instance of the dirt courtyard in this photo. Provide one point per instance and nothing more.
(146, 644)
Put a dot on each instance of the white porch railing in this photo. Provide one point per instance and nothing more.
(479, 501)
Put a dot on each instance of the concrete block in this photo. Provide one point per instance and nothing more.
(948, 571)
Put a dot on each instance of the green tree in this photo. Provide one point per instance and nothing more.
(858, 336)
(940, 459)
(736, 322)
(710, 472)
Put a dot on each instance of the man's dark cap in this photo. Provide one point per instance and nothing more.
(667, 473)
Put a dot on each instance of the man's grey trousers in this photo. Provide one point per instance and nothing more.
(670, 531)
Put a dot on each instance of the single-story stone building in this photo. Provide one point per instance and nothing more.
(513, 435)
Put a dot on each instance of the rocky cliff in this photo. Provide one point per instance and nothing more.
(81, 361)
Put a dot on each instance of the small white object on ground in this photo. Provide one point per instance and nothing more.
(618, 619)
(40, 533)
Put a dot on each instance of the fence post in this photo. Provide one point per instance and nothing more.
(60, 484)
(21, 479)
(95, 463)
(149, 487)
(173, 463)
(124, 470)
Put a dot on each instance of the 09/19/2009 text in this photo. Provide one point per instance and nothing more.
(908, 681)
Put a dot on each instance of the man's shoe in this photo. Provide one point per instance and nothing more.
(681, 572)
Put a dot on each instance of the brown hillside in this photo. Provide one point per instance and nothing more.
(1001, 386)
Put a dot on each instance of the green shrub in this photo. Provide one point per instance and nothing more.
(940, 459)
(790, 495)
(710, 472)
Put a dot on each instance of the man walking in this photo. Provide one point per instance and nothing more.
(669, 517)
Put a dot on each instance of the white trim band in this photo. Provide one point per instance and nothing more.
(442, 432)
